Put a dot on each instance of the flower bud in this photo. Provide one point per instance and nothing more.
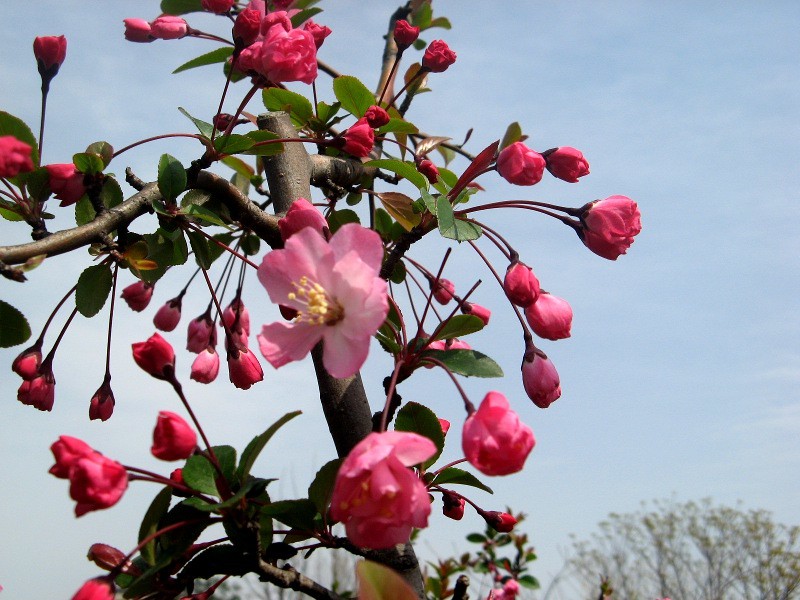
(550, 317)
(405, 34)
(318, 32)
(452, 506)
(219, 7)
(428, 169)
(520, 284)
(168, 27)
(520, 165)
(137, 30)
(66, 182)
(50, 52)
(40, 391)
(566, 163)
(445, 425)
(106, 557)
(137, 295)
(15, 156)
(359, 139)
(222, 120)
(67, 450)
(96, 482)
(499, 521)
(483, 313)
(169, 315)
(609, 226)
(237, 318)
(155, 356)
(101, 406)
(205, 367)
(438, 57)
(540, 379)
(301, 214)
(243, 368)
(173, 438)
(27, 363)
(247, 27)
(96, 589)
(376, 116)
(201, 334)
(443, 290)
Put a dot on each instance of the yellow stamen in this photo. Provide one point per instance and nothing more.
(320, 307)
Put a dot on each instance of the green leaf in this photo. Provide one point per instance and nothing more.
(84, 211)
(264, 149)
(94, 285)
(201, 212)
(219, 55)
(398, 126)
(205, 129)
(111, 193)
(158, 508)
(342, 217)
(180, 7)
(102, 149)
(476, 538)
(529, 581)
(202, 253)
(354, 96)
(304, 15)
(250, 244)
(401, 208)
(256, 445)
(325, 111)
(398, 273)
(404, 169)
(171, 177)
(166, 248)
(14, 327)
(294, 513)
(233, 144)
(215, 249)
(90, 164)
(321, 489)
(460, 477)
(199, 474)
(38, 184)
(11, 125)
(513, 134)
(459, 326)
(226, 455)
(452, 228)
(420, 419)
(296, 105)
(469, 363)
(239, 166)
(442, 22)
(379, 582)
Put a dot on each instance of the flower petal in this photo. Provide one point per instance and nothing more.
(367, 244)
(282, 343)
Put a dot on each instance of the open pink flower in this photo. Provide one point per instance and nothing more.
(66, 183)
(288, 55)
(336, 291)
(494, 440)
(301, 214)
(376, 496)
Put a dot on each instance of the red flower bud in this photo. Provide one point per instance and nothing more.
(405, 34)
(96, 589)
(169, 315)
(376, 116)
(359, 139)
(609, 226)
(50, 52)
(243, 368)
(445, 425)
(137, 30)
(566, 163)
(301, 214)
(540, 379)
(137, 295)
(168, 27)
(67, 450)
(499, 521)
(483, 313)
(40, 391)
(428, 169)
(520, 165)
(205, 367)
(201, 334)
(443, 290)
(27, 363)
(219, 7)
(96, 482)
(173, 438)
(66, 182)
(318, 32)
(101, 406)
(520, 284)
(106, 557)
(15, 156)
(247, 27)
(155, 356)
(550, 317)
(453, 506)
(438, 57)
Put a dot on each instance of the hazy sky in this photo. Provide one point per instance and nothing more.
(681, 376)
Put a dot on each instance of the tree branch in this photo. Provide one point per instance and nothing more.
(288, 578)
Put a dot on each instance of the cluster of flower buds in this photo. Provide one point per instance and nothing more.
(521, 165)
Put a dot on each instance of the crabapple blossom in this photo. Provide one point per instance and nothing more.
(205, 366)
(66, 183)
(201, 334)
(438, 57)
(494, 440)
(336, 291)
(317, 31)
(520, 284)
(288, 56)
(99, 588)
(404, 34)
(453, 506)
(445, 425)
(247, 27)
(476, 310)
(520, 165)
(138, 30)
(499, 521)
(39, 392)
(540, 379)
(359, 139)
(155, 356)
(443, 290)
(173, 437)
(168, 27)
(137, 295)
(376, 116)
(301, 214)
(50, 52)
(428, 169)
(219, 7)
(609, 226)
(15, 156)
(377, 497)
(550, 317)
(566, 163)
(169, 315)
(27, 363)
(101, 406)
(67, 450)
(243, 368)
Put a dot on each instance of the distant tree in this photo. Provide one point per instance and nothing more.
(691, 551)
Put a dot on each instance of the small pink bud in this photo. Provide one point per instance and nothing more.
(550, 317)
(201, 334)
(15, 156)
(438, 57)
(247, 27)
(40, 391)
(359, 139)
(177, 476)
(540, 379)
(376, 116)
(222, 120)
(168, 27)
(443, 290)
(205, 367)
(428, 169)
(66, 182)
(609, 226)
(50, 52)
(169, 315)
(499, 521)
(106, 557)
(301, 214)
(445, 425)
(27, 363)
(137, 30)
(520, 284)
(520, 165)
(318, 32)
(101, 406)
(173, 438)
(237, 318)
(483, 313)
(137, 295)
(566, 163)
(219, 7)
(243, 368)
(155, 356)
(453, 506)
(96, 589)
(405, 34)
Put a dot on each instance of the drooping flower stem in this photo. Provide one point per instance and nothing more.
(430, 295)
(196, 136)
(45, 90)
(110, 323)
(225, 247)
(52, 353)
(53, 314)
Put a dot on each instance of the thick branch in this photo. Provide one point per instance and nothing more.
(288, 578)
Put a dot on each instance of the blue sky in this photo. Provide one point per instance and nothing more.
(681, 376)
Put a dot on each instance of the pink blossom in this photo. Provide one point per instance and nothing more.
(279, 18)
(301, 214)
(511, 588)
(155, 356)
(318, 32)
(66, 182)
(137, 295)
(376, 116)
(609, 226)
(359, 139)
(336, 291)
(540, 379)
(15, 156)
(494, 440)
(567, 163)
(168, 27)
(445, 425)
(476, 310)
(201, 334)
(250, 59)
(405, 34)
(96, 482)
(137, 30)
(438, 57)
(205, 367)
(443, 290)
(247, 27)
(520, 165)
(550, 317)
(428, 169)
(499, 521)
(219, 7)
(67, 450)
(101, 406)
(237, 317)
(27, 363)
(169, 315)
(39, 392)
(243, 368)
(288, 56)
(520, 284)
(173, 437)
(50, 52)
(96, 589)
(376, 496)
